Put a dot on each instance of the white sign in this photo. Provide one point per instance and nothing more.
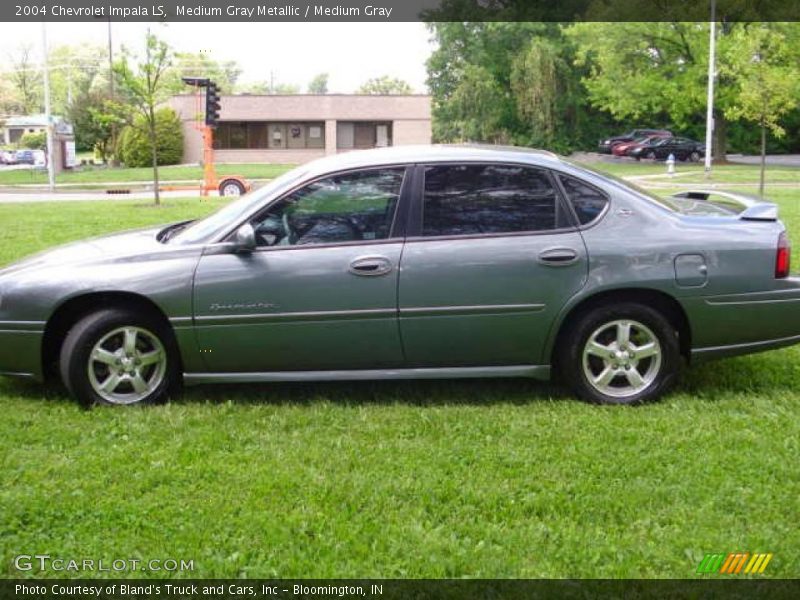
(70, 157)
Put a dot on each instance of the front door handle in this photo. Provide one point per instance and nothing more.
(370, 266)
(558, 257)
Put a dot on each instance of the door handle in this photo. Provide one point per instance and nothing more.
(370, 266)
(558, 257)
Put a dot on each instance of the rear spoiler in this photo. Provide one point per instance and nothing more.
(748, 208)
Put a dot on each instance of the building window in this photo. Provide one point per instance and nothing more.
(257, 135)
(363, 134)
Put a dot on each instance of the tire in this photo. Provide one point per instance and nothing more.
(147, 371)
(231, 187)
(623, 378)
(694, 156)
(651, 156)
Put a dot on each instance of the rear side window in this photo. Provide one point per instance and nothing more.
(587, 201)
(488, 199)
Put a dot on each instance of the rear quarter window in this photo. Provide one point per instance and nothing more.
(587, 201)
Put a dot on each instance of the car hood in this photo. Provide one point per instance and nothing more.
(110, 247)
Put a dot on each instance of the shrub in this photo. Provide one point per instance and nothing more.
(34, 141)
(133, 146)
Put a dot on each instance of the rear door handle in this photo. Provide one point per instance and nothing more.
(370, 266)
(558, 257)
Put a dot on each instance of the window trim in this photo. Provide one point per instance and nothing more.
(582, 226)
(396, 228)
(416, 214)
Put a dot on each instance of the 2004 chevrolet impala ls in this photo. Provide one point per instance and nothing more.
(413, 262)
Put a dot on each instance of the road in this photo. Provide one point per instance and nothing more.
(777, 160)
(44, 196)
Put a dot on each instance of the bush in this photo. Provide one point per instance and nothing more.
(34, 141)
(133, 147)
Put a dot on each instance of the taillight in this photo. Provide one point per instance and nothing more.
(782, 256)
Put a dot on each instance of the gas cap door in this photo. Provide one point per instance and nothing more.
(691, 270)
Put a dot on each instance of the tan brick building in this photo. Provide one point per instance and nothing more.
(299, 128)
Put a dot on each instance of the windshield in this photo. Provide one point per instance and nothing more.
(205, 229)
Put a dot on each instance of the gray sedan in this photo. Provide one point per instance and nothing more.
(414, 262)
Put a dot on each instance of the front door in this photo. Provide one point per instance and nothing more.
(319, 292)
(492, 261)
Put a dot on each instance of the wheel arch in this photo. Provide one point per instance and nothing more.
(661, 301)
(74, 309)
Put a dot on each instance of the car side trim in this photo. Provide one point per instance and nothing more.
(425, 311)
(22, 325)
(369, 313)
(541, 372)
(746, 348)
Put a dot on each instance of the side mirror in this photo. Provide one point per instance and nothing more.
(245, 238)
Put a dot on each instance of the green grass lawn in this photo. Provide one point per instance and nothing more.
(505, 478)
(693, 173)
(144, 175)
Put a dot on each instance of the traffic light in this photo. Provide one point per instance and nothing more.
(212, 104)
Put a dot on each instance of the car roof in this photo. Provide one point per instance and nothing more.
(432, 153)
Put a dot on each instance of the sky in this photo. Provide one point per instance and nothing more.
(293, 52)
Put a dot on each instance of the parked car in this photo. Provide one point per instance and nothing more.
(605, 146)
(8, 158)
(26, 157)
(411, 262)
(680, 148)
(623, 148)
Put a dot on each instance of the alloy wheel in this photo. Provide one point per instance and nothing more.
(127, 365)
(621, 358)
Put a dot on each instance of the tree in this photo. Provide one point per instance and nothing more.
(225, 74)
(656, 72)
(95, 118)
(766, 78)
(270, 87)
(319, 85)
(536, 97)
(27, 79)
(384, 85)
(134, 143)
(143, 84)
(74, 72)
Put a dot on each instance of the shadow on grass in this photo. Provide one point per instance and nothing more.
(423, 392)
(768, 373)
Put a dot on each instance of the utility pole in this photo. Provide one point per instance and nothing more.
(111, 93)
(711, 73)
(51, 173)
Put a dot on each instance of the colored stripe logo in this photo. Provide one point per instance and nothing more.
(735, 563)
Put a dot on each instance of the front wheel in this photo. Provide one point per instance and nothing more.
(118, 356)
(620, 354)
(694, 156)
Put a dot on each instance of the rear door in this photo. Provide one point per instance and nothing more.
(491, 257)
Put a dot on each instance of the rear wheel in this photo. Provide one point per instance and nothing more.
(118, 356)
(694, 156)
(620, 354)
(650, 156)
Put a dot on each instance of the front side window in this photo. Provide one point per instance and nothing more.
(587, 201)
(489, 199)
(348, 207)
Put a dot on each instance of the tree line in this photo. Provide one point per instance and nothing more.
(565, 86)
